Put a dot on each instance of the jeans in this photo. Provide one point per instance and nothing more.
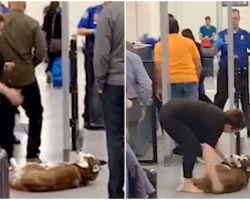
(188, 91)
(34, 110)
(112, 101)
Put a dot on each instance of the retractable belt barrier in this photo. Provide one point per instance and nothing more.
(74, 121)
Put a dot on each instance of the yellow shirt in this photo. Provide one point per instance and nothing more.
(182, 53)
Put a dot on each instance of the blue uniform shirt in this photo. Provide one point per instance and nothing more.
(207, 32)
(4, 9)
(90, 20)
(241, 44)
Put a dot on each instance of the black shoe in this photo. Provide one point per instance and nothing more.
(178, 151)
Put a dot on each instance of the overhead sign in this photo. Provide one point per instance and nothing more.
(236, 3)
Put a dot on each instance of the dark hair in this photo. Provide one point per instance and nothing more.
(236, 10)
(188, 34)
(207, 18)
(170, 16)
(1, 18)
(54, 4)
(173, 26)
(237, 119)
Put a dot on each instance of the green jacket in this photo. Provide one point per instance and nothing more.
(23, 43)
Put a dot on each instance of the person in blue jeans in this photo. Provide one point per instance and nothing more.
(207, 32)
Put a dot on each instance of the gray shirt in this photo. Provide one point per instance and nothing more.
(139, 85)
(109, 47)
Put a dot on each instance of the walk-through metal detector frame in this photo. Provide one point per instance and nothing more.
(66, 75)
(231, 70)
(166, 89)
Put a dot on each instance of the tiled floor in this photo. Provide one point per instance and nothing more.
(52, 142)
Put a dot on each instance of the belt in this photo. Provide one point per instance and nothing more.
(183, 83)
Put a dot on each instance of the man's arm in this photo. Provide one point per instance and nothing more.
(83, 25)
(85, 31)
(39, 46)
(213, 36)
(201, 35)
(102, 50)
(196, 59)
(157, 71)
(14, 96)
(208, 154)
(248, 41)
(144, 83)
(214, 33)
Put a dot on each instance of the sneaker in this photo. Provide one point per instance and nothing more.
(178, 151)
(48, 77)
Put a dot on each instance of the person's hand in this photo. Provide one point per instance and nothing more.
(15, 97)
(99, 91)
(8, 66)
(159, 94)
(129, 104)
(219, 42)
(227, 160)
(217, 187)
(143, 114)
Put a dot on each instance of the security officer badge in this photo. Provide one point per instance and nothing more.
(242, 37)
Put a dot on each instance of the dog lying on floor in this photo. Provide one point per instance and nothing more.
(52, 177)
(234, 178)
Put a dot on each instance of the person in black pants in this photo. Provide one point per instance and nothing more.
(190, 123)
(28, 54)
(109, 79)
(241, 46)
(53, 30)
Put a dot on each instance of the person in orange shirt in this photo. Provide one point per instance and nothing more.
(184, 65)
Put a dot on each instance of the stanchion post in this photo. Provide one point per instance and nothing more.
(66, 73)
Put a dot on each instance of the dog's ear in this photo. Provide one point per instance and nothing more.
(103, 162)
(96, 168)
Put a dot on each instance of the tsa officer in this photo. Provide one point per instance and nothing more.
(241, 45)
(87, 28)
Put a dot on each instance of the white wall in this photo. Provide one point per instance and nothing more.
(189, 14)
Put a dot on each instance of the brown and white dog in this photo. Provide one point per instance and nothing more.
(52, 177)
(234, 178)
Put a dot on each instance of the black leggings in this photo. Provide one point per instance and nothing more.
(184, 136)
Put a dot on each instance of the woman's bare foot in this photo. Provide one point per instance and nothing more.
(188, 186)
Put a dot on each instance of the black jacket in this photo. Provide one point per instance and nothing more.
(47, 25)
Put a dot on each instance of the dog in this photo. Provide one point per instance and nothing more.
(234, 178)
(36, 177)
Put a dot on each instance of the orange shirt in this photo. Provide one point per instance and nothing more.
(182, 52)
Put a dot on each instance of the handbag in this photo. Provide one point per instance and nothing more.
(55, 44)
